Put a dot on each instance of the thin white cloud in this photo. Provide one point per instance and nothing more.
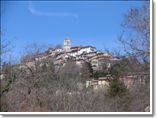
(36, 12)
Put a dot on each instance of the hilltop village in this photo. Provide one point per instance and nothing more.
(79, 54)
(76, 54)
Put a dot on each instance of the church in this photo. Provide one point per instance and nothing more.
(76, 50)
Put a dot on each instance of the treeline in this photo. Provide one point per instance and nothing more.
(44, 89)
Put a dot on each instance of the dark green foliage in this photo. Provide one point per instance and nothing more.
(6, 85)
(98, 74)
(87, 70)
(89, 67)
(118, 91)
(118, 69)
(117, 88)
(8, 77)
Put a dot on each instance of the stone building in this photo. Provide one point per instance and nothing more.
(67, 44)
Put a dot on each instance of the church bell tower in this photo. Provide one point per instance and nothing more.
(67, 44)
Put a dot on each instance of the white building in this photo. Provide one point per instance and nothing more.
(86, 49)
(58, 50)
(82, 50)
(73, 53)
(101, 83)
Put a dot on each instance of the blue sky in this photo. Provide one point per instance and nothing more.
(86, 23)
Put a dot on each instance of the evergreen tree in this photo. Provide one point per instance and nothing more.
(87, 71)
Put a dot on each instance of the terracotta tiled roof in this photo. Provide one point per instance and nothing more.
(75, 47)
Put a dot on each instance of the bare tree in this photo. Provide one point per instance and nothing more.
(136, 35)
(5, 44)
(32, 50)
